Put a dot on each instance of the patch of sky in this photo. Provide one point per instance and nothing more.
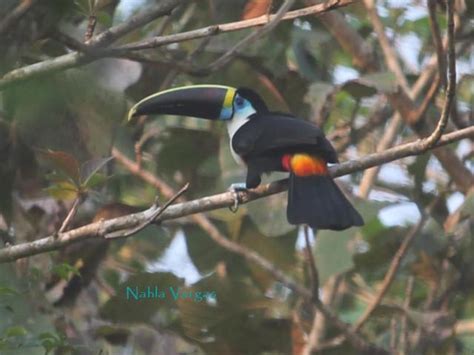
(302, 24)
(127, 8)
(342, 74)
(429, 186)
(413, 11)
(301, 241)
(399, 214)
(408, 47)
(436, 171)
(385, 196)
(176, 260)
(455, 201)
(395, 174)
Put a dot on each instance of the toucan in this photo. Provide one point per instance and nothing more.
(267, 141)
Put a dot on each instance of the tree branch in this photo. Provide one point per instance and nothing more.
(226, 57)
(14, 16)
(130, 222)
(251, 256)
(216, 201)
(389, 52)
(363, 57)
(112, 34)
(75, 59)
(391, 273)
(93, 52)
(438, 43)
(451, 90)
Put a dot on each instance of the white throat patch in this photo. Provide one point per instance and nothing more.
(233, 126)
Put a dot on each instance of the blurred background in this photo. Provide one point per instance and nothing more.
(349, 71)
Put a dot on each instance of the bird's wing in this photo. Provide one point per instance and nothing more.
(270, 132)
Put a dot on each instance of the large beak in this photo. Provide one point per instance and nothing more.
(203, 101)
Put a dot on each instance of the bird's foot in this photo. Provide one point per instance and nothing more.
(236, 188)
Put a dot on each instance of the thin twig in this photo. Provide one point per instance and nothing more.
(146, 136)
(313, 271)
(438, 43)
(13, 17)
(216, 201)
(391, 273)
(93, 53)
(226, 57)
(77, 58)
(388, 138)
(151, 219)
(451, 90)
(71, 214)
(234, 26)
(387, 281)
(213, 202)
(364, 58)
(163, 8)
(91, 23)
(404, 343)
(427, 100)
(318, 328)
(249, 255)
(388, 50)
(393, 334)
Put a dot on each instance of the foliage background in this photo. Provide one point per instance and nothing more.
(72, 300)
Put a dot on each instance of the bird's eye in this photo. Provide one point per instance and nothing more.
(239, 101)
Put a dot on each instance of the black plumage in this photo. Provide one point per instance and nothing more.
(314, 200)
(267, 141)
(266, 137)
(318, 202)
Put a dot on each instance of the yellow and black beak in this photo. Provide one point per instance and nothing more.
(214, 102)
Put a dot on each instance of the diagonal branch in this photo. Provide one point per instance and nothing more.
(13, 17)
(92, 50)
(451, 90)
(112, 34)
(391, 273)
(351, 41)
(130, 222)
(249, 254)
(217, 201)
(226, 57)
(437, 41)
(76, 59)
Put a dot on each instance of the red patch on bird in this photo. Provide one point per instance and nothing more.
(286, 161)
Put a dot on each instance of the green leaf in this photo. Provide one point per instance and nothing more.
(16, 331)
(64, 271)
(7, 291)
(334, 252)
(48, 335)
(96, 180)
(64, 190)
(91, 167)
(83, 6)
(104, 18)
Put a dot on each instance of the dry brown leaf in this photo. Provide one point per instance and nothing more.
(256, 8)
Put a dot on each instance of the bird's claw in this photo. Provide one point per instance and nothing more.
(236, 188)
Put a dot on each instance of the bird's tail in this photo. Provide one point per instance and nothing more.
(316, 200)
